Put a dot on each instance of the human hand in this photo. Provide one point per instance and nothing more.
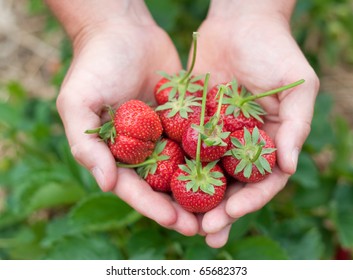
(116, 60)
(258, 50)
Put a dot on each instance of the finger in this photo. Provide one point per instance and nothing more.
(217, 219)
(295, 115)
(219, 239)
(289, 140)
(154, 205)
(186, 223)
(253, 197)
(79, 113)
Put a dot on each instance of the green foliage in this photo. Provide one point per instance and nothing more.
(324, 31)
(51, 207)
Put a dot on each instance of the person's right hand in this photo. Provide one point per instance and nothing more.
(114, 61)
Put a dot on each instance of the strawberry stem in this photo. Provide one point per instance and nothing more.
(183, 93)
(202, 121)
(256, 156)
(221, 91)
(271, 92)
(93, 131)
(194, 51)
(147, 162)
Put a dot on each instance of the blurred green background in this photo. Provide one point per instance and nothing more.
(51, 208)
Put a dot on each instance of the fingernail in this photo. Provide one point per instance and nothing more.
(99, 176)
(295, 155)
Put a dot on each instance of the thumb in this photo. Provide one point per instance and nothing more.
(296, 111)
(79, 109)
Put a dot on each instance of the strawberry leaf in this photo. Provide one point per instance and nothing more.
(247, 170)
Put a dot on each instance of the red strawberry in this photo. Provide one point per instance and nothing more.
(169, 87)
(130, 150)
(198, 194)
(136, 119)
(251, 155)
(214, 140)
(239, 107)
(234, 116)
(159, 167)
(173, 123)
(132, 132)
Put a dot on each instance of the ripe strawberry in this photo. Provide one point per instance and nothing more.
(239, 108)
(171, 86)
(214, 140)
(136, 119)
(159, 175)
(132, 132)
(209, 152)
(159, 167)
(251, 155)
(198, 193)
(130, 150)
(175, 117)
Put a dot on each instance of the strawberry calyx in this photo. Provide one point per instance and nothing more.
(250, 153)
(149, 166)
(178, 83)
(212, 132)
(203, 180)
(244, 101)
(181, 105)
(182, 82)
(107, 131)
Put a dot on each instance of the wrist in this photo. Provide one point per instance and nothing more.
(79, 17)
(246, 10)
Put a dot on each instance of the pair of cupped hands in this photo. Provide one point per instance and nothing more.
(114, 63)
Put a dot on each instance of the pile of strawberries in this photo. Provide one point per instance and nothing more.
(193, 139)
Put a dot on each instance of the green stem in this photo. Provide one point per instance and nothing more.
(256, 156)
(217, 116)
(220, 101)
(147, 162)
(93, 131)
(202, 120)
(183, 93)
(271, 92)
(194, 41)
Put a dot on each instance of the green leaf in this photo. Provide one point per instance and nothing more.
(197, 249)
(242, 226)
(90, 247)
(54, 194)
(307, 174)
(342, 214)
(257, 248)
(147, 244)
(300, 237)
(102, 211)
(321, 134)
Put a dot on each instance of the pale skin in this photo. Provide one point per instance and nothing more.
(117, 50)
